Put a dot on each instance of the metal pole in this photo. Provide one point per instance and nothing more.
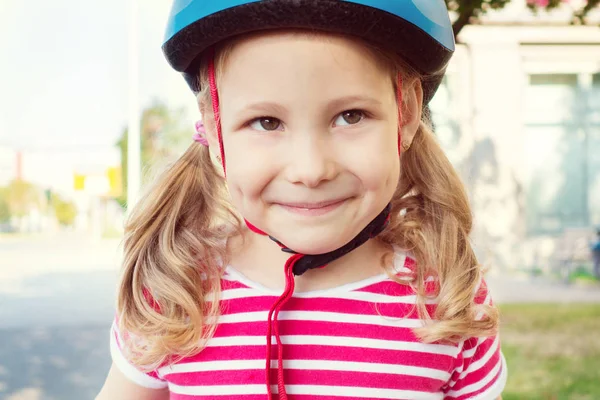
(133, 136)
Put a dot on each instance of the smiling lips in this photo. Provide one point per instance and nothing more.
(312, 209)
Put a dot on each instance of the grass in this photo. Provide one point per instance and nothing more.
(584, 276)
(552, 351)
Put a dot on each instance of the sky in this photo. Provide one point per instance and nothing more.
(64, 72)
(64, 82)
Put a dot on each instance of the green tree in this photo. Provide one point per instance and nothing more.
(468, 11)
(162, 137)
(4, 209)
(21, 197)
(579, 16)
(65, 211)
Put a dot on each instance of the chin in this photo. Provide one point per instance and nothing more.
(315, 242)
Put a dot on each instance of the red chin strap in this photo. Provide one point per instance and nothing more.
(272, 319)
(214, 95)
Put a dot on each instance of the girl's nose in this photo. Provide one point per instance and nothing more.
(310, 161)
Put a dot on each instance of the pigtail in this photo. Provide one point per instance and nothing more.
(432, 219)
(175, 249)
(173, 254)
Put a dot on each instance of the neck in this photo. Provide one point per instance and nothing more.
(261, 260)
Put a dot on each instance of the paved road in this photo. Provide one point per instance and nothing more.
(56, 305)
(523, 289)
(52, 363)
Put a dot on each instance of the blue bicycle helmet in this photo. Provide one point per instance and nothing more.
(418, 30)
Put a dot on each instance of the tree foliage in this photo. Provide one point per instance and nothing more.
(21, 197)
(4, 208)
(468, 11)
(579, 16)
(162, 136)
(64, 211)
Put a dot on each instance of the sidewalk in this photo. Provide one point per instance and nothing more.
(25, 256)
(62, 280)
(56, 307)
(55, 363)
(522, 289)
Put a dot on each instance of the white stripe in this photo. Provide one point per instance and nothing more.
(493, 391)
(261, 316)
(131, 372)
(400, 261)
(336, 341)
(471, 352)
(349, 391)
(403, 270)
(232, 275)
(242, 293)
(235, 276)
(306, 365)
(231, 294)
(222, 390)
(227, 276)
(483, 360)
(488, 299)
(486, 302)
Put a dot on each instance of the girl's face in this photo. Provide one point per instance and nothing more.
(310, 130)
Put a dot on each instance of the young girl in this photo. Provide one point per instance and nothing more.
(312, 243)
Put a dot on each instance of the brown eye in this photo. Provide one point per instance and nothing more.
(350, 117)
(266, 124)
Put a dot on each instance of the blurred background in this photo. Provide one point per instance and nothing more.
(89, 110)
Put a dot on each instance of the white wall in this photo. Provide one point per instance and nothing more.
(489, 78)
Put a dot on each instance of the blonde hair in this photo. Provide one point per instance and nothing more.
(175, 247)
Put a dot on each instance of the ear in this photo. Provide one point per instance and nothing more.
(411, 112)
(211, 129)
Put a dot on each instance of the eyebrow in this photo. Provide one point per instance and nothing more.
(340, 102)
(265, 107)
(268, 107)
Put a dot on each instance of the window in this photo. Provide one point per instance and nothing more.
(593, 144)
(562, 146)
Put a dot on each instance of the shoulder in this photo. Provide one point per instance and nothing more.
(122, 353)
(405, 269)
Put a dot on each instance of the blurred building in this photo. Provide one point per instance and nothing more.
(8, 165)
(89, 178)
(519, 114)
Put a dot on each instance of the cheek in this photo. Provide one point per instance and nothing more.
(379, 167)
(380, 173)
(247, 174)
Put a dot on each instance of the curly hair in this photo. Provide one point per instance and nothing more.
(175, 245)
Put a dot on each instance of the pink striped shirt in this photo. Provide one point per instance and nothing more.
(351, 342)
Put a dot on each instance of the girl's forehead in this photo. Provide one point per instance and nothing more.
(293, 67)
(303, 47)
(295, 60)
